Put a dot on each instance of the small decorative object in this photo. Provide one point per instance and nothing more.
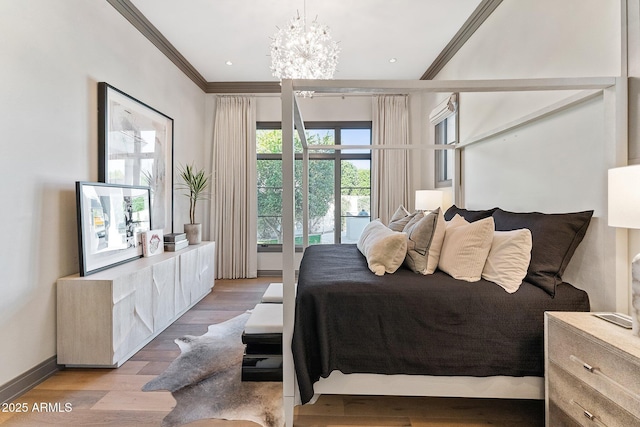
(301, 51)
(174, 237)
(111, 218)
(173, 247)
(152, 243)
(175, 241)
(195, 182)
(135, 147)
(624, 212)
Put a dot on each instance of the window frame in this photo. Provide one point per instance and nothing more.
(337, 156)
(441, 156)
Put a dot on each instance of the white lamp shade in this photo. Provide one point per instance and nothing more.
(428, 200)
(624, 197)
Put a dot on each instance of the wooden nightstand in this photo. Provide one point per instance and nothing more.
(592, 372)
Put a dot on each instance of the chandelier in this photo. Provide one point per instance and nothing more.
(301, 51)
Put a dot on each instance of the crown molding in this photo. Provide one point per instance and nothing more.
(142, 24)
(477, 18)
(243, 87)
(146, 28)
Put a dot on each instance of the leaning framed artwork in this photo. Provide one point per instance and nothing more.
(135, 147)
(111, 219)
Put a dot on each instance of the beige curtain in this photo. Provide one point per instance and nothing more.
(390, 168)
(234, 198)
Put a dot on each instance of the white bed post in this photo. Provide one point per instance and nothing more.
(616, 136)
(288, 249)
(299, 122)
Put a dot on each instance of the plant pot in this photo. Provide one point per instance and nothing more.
(194, 233)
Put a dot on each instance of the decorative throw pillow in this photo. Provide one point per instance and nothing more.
(466, 247)
(508, 259)
(384, 249)
(555, 238)
(467, 214)
(401, 218)
(425, 233)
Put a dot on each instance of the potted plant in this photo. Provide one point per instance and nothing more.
(195, 182)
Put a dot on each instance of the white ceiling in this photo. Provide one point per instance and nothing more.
(208, 33)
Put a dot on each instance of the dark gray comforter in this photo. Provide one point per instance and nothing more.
(351, 320)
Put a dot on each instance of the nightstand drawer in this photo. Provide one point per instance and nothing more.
(614, 373)
(583, 403)
(560, 418)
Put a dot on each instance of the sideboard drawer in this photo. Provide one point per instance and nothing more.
(615, 374)
(585, 404)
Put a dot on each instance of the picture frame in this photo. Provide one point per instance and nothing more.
(135, 147)
(152, 243)
(111, 218)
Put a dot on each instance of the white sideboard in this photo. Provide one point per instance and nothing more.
(106, 317)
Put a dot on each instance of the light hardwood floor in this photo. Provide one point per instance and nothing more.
(112, 397)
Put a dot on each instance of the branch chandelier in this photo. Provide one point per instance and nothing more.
(301, 51)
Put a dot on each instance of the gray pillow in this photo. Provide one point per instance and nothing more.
(400, 219)
(425, 234)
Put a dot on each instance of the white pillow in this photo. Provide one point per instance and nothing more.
(384, 249)
(425, 233)
(508, 259)
(466, 247)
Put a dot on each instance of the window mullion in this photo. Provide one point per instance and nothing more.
(337, 189)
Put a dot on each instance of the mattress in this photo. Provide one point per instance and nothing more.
(349, 319)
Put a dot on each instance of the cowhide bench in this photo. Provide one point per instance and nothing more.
(262, 335)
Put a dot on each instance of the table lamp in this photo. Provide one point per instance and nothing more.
(428, 200)
(624, 212)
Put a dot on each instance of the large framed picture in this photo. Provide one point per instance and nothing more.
(111, 218)
(135, 147)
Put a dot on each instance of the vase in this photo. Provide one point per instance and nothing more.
(194, 233)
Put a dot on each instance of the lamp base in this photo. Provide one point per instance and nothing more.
(635, 295)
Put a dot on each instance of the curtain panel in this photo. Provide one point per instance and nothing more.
(390, 168)
(234, 193)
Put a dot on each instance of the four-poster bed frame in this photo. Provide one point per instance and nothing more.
(614, 92)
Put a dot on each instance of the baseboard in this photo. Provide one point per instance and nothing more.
(28, 380)
(269, 273)
(272, 273)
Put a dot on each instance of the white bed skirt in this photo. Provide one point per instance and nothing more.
(497, 387)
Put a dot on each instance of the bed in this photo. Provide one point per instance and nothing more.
(351, 320)
(311, 321)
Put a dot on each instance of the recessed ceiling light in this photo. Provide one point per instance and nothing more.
(229, 63)
(392, 60)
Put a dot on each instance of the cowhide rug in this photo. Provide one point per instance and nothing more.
(206, 381)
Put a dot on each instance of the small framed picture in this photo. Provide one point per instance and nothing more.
(111, 219)
(152, 243)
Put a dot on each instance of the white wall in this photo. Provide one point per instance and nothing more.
(556, 164)
(53, 54)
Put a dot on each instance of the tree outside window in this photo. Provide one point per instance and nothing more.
(339, 184)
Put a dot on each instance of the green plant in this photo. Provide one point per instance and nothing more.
(195, 182)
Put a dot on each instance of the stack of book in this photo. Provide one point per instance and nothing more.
(175, 241)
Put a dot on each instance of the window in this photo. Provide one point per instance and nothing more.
(445, 133)
(339, 183)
